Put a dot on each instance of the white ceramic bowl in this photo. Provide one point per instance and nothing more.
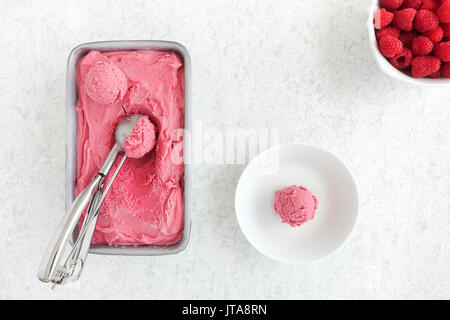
(386, 67)
(301, 164)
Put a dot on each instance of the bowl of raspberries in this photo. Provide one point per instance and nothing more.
(410, 39)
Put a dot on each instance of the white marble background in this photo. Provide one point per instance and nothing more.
(303, 67)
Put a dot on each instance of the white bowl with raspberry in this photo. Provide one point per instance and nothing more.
(410, 40)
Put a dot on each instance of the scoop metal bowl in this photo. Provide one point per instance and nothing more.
(51, 268)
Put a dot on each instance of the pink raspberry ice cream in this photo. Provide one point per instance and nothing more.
(105, 83)
(295, 205)
(142, 139)
(145, 204)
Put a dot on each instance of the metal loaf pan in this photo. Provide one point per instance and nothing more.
(71, 135)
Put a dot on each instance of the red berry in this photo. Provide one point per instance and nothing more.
(382, 18)
(390, 46)
(435, 35)
(432, 5)
(435, 75)
(445, 70)
(425, 20)
(444, 12)
(407, 37)
(424, 66)
(391, 31)
(446, 28)
(391, 4)
(415, 4)
(442, 51)
(421, 46)
(403, 60)
(403, 19)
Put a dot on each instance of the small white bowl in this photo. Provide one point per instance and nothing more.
(301, 164)
(386, 67)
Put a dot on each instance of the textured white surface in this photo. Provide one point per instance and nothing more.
(303, 67)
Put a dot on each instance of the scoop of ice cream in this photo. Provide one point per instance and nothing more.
(295, 205)
(105, 83)
(142, 139)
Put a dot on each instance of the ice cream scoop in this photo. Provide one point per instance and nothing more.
(51, 270)
(105, 83)
(295, 205)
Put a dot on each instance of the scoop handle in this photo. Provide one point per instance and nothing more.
(49, 263)
(50, 269)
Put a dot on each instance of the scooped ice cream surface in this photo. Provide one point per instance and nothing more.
(145, 204)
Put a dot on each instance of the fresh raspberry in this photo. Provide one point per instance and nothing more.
(445, 70)
(390, 46)
(382, 18)
(431, 5)
(407, 37)
(435, 35)
(435, 75)
(421, 46)
(444, 12)
(415, 4)
(442, 51)
(403, 19)
(424, 66)
(391, 31)
(425, 20)
(446, 28)
(403, 60)
(391, 4)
